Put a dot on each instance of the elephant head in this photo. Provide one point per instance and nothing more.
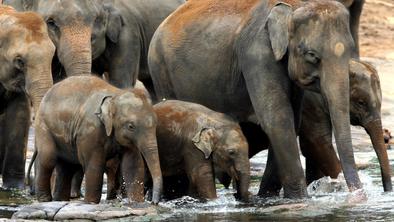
(316, 38)
(365, 104)
(79, 29)
(130, 118)
(26, 53)
(229, 150)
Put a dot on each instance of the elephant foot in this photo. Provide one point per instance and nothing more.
(295, 191)
(18, 184)
(44, 197)
(266, 193)
(75, 194)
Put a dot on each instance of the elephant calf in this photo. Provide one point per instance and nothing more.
(85, 121)
(192, 140)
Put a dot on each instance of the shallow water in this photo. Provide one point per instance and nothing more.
(320, 206)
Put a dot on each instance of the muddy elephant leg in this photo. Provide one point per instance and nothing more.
(15, 134)
(201, 176)
(133, 172)
(76, 183)
(270, 182)
(45, 163)
(64, 175)
(124, 61)
(94, 172)
(113, 184)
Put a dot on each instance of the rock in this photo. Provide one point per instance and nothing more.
(46, 210)
(80, 211)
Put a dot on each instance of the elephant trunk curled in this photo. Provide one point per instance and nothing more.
(75, 51)
(374, 129)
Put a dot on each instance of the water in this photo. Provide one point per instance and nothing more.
(319, 207)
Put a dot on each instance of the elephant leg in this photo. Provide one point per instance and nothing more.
(125, 57)
(312, 171)
(201, 176)
(113, 184)
(270, 182)
(321, 158)
(15, 135)
(76, 183)
(64, 175)
(45, 163)
(133, 171)
(94, 171)
(257, 139)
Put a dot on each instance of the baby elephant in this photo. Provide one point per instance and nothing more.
(85, 121)
(192, 141)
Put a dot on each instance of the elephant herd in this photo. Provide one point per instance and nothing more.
(224, 80)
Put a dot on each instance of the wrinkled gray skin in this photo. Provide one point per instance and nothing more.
(26, 53)
(101, 35)
(251, 59)
(192, 140)
(85, 121)
(315, 133)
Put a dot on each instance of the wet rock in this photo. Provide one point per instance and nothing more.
(45, 210)
(80, 211)
(327, 185)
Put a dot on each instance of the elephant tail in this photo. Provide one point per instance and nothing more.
(29, 178)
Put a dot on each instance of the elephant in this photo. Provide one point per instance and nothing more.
(191, 140)
(101, 35)
(85, 121)
(252, 60)
(26, 53)
(316, 130)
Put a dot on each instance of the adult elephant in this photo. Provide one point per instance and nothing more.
(250, 59)
(315, 132)
(101, 35)
(25, 76)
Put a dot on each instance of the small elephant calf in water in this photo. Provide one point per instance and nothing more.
(86, 121)
(192, 141)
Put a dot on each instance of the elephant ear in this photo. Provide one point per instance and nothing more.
(105, 113)
(278, 29)
(114, 23)
(203, 140)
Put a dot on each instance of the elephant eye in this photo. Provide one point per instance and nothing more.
(311, 57)
(361, 103)
(130, 126)
(51, 23)
(19, 62)
(231, 152)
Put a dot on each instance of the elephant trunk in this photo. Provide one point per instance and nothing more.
(75, 50)
(241, 178)
(374, 129)
(334, 84)
(151, 155)
(38, 82)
